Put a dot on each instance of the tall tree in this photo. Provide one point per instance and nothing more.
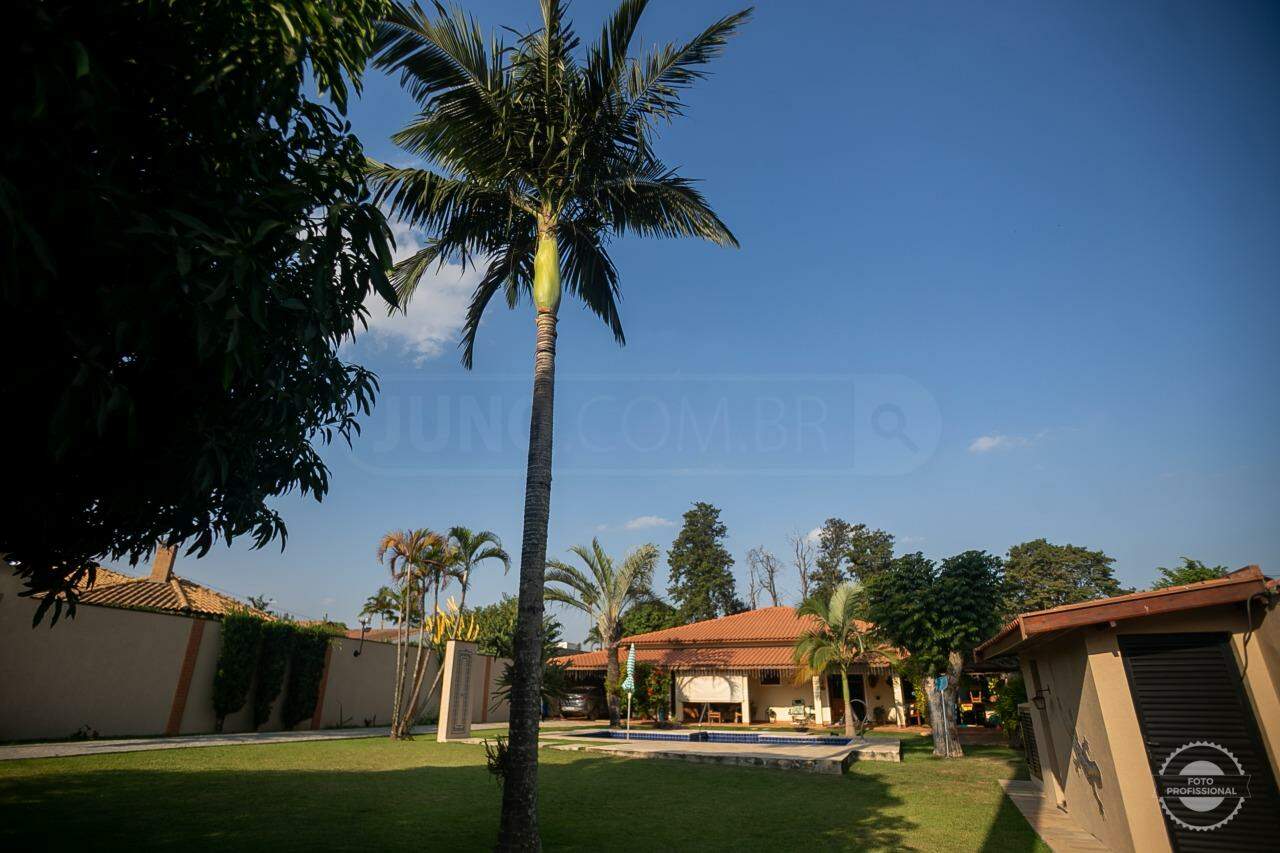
(869, 552)
(605, 593)
(802, 560)
(537, 159)
(701, 583)
(831, 566)
(1039, 575)
(938, 615)
(1191, 571)
(178, 361)
(470, 549)
(652, 614)
(764, 567)
(838, 641)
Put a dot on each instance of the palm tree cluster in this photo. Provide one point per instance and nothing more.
(422, 564)
(837, 641)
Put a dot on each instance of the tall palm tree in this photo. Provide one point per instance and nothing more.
(839, 639)
(470, 549)
(604, 593)
(537, 158)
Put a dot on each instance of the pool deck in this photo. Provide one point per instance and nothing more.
(797, 755)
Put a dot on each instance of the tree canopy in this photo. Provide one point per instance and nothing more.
(933, 610)
(701, 584)
(189, 240)
(1039, 575)
(849, 552)
(1191, 571)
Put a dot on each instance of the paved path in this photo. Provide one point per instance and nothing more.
(95, 747)
(1054, 826)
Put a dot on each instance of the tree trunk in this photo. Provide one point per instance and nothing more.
(848, 706)
(942, 711)
(410, 713)
(402, 639)
(519, 827)
(611, 673)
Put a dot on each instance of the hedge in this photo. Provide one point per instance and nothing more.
(237, 660)
(306, 668)
(273, 660)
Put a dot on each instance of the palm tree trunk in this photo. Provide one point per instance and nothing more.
(848, 708)
(611, 673)
(519, 827)
(420, 665)
(402, 638)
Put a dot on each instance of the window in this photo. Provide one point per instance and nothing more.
(770, 676)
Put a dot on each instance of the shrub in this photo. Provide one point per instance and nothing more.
(306, 668)
(1008, 696)
(237, 660)
(273, 659)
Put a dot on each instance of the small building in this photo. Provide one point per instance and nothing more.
(739, 668)
(1154, 717)
(161, 591)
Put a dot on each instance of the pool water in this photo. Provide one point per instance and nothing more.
(724, 737)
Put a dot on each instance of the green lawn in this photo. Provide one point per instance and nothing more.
(376, 795)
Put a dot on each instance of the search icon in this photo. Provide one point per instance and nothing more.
(889, 422)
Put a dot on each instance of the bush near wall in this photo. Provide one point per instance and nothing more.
(237, 661)
(273, 660)
(306, 668)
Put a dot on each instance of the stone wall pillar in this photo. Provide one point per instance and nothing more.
(455, 691)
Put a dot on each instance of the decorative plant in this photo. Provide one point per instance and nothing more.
(837, 642)
(306, 669)
(237, 660)
(273, 659)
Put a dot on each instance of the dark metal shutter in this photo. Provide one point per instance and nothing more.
(1187, 687)
(1028, 730)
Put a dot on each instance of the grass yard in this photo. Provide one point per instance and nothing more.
(376, 795)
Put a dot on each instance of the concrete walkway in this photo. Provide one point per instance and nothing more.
(1054, 826)
(61, 749)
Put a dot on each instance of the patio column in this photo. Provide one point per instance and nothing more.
(817, 700)
(899, 706)
(746, 701)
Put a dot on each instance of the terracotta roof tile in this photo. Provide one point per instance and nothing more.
(176, 595)
(767, 623)
(693, 658)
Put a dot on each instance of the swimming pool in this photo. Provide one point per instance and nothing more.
(724, 737)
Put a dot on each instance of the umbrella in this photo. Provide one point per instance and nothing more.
(629, 684)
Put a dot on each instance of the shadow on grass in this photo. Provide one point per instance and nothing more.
(587, 803)
(373, 794)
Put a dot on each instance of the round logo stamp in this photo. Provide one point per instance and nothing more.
(1201, 786)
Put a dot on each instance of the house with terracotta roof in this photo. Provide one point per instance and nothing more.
(161, 591)
(739, 668)
(1139, 701)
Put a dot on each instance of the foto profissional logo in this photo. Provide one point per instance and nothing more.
(1202, 786)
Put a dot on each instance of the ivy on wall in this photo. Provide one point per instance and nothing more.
(237, 660)
(273, 660)
(306, 668)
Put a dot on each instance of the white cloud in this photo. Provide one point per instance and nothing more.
(435, 314)
(988, 443)
(814, 535)
(644, 522)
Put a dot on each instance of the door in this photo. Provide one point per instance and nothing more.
(836, 694)
(1198, 723)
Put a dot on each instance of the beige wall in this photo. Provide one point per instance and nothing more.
(778, 697)
(1088, 737)
(116, 671)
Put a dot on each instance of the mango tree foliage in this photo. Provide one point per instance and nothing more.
(188, 242)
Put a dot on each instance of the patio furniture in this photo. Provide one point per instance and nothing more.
(714, 717)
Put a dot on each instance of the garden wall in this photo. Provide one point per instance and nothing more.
(123, 672)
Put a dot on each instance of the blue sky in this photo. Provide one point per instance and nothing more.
(1008, 270)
